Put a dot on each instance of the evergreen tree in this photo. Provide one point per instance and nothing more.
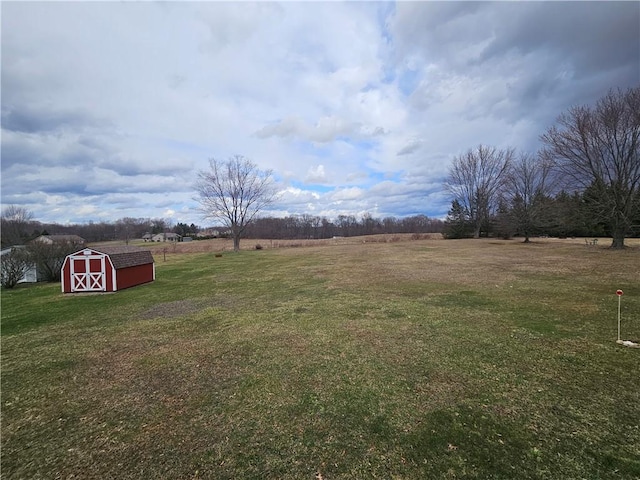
(458, 223)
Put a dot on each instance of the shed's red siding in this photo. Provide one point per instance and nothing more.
(131, 276)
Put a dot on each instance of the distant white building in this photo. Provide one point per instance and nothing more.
(166, 237)
(51, 239)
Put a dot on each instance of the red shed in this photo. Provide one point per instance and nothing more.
(107, 269)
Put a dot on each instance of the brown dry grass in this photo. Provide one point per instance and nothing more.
(472, 263)
(357, 359)
(226, 244)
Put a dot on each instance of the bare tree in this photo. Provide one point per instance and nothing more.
(159, 225)
(234, 192)
(370, 224)
(49, 258)
(316, 222)
(15, 223)
(599, 148)
(14, 266)
(128, 228)
(306, 223)
(528, 184)
(475, 179)
(347, 224)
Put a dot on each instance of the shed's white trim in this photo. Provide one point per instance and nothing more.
(87, 281)
(114, 278)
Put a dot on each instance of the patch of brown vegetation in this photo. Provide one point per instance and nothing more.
(473, 262)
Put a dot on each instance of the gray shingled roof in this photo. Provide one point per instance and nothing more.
(123, 256)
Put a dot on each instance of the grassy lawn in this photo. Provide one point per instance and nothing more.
(418, 359)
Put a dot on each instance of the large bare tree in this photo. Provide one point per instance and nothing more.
(529, 183)
(598, 148)
(234, 192)
(475, 179)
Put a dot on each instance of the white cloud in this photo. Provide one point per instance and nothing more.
(327, 129)
(346, 194)
(316, 175)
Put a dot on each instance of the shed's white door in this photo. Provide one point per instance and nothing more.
(88, 274)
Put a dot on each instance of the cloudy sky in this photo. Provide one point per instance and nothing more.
(109, 110)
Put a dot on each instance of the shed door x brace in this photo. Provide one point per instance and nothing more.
(88, 274)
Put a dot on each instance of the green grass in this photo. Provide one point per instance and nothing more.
(425, 359)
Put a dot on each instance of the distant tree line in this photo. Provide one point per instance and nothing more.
(585, 181)
(18, 228)
(315, 227)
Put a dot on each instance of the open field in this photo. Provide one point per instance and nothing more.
(388, 359)
(226, 244)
